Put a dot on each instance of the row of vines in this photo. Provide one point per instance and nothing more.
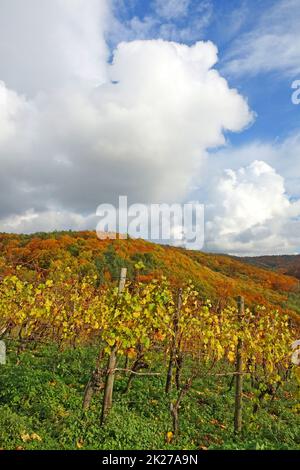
(132, 321)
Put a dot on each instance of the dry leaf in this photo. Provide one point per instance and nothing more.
(79, 444)
(25, 437)
(215, 422)
(30, 437)
(153, 402)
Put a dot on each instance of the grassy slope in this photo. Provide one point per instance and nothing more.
(43, 393)
(41, 397)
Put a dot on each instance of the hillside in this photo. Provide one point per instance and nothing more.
(218, 277)
(72, 340)
(285, 264)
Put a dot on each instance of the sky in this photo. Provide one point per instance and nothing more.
(161, 100)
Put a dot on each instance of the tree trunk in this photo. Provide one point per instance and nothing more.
(173, 344)
(174, 407)
(111, 366)
(138, 364)
(109, 385)
(91, 385)
(88, 395)
(179, 362)
(239, 374)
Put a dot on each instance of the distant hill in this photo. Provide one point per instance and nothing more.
(286, 264)
(218, 277)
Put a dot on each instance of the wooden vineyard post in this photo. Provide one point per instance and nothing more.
(174, 343)
(122, 280)
(111, 366)
(239, 372)
(2, 353)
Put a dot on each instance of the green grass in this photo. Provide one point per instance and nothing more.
(42, 395)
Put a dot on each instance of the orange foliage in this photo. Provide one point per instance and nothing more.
(218, 277)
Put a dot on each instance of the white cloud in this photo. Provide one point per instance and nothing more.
(272, 45)
(46, 44)
(31, 221)
(144, 135)
(250, 213)
(13, 109)
(67, 145)
(284, 156)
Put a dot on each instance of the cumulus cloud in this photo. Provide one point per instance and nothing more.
(282, 155)
(142, 133)
(250, 213)
(46, 44)
(77, 130)
(272, 45)
(31, 221)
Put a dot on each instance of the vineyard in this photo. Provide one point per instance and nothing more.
(150, 350)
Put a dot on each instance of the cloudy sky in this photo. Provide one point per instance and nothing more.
(161, 100)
